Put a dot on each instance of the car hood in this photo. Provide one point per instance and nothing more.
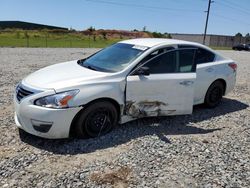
(62, 75)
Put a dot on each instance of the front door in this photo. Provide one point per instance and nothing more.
(167, 90)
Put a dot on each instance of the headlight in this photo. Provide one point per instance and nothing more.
(59, 100)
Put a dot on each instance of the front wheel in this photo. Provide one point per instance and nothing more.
(214, 94)
(97, 119)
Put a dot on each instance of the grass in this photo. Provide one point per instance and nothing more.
(58, 39)
(21, 38)
(220, 48)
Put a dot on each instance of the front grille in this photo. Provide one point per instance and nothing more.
(22, 93)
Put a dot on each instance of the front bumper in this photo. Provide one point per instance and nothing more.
(43, 122)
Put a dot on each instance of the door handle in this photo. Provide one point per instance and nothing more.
(209, 69)
(186, 83)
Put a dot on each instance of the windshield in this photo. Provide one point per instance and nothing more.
(114, 58)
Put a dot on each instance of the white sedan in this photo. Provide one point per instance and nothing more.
(128, 80)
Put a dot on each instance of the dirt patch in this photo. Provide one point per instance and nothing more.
(117, 178)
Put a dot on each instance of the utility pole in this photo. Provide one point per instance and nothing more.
(208, 11)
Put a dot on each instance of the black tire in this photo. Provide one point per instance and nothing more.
(96, 120)
(214, 94)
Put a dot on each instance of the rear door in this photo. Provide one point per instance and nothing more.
(167, 90)
(205, 70)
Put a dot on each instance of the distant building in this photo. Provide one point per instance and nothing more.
(26, 25)
(212, 40)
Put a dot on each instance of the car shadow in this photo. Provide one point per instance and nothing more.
(158, 126)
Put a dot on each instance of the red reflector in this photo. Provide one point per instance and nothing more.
(233, 66)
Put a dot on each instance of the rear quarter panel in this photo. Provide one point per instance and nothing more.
(225, 72)
(207, 73)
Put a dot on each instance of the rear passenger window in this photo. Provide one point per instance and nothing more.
(203, 56)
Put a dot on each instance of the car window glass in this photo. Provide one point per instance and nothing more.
(113, 58)
(155, 53)
(186, 46)
(186, 60)
(204, 56)
(165, 63)
(201, 55)
(176, 61)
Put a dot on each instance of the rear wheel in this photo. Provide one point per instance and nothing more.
(97, 119)
(214, 94)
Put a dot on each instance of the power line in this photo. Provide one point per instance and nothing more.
(224, 4)
(141, 6)
(239, 10)
(236, 5)
(231, 19)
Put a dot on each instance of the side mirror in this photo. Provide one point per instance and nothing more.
(142, 71)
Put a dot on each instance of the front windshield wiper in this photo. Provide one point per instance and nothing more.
(90, 67)
(81, 62)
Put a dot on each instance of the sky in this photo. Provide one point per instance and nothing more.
(227, 17)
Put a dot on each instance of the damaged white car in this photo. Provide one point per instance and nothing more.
(128, 80)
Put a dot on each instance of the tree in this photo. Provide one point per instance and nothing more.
(91, 29)
(238, 35)
(247, 37)
(168, 36)
(158, 35)
(104, 35)
(144, 29)
(71, 29)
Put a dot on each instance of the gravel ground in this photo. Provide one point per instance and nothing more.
(210, 148)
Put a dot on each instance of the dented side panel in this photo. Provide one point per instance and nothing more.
(146, 108)
(159, 95)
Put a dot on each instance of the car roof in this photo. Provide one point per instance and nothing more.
(150, 42)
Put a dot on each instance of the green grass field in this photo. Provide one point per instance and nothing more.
(20, 38)
(221, 48)
(55, 39)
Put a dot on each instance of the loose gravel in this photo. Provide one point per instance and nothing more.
(210, 148)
